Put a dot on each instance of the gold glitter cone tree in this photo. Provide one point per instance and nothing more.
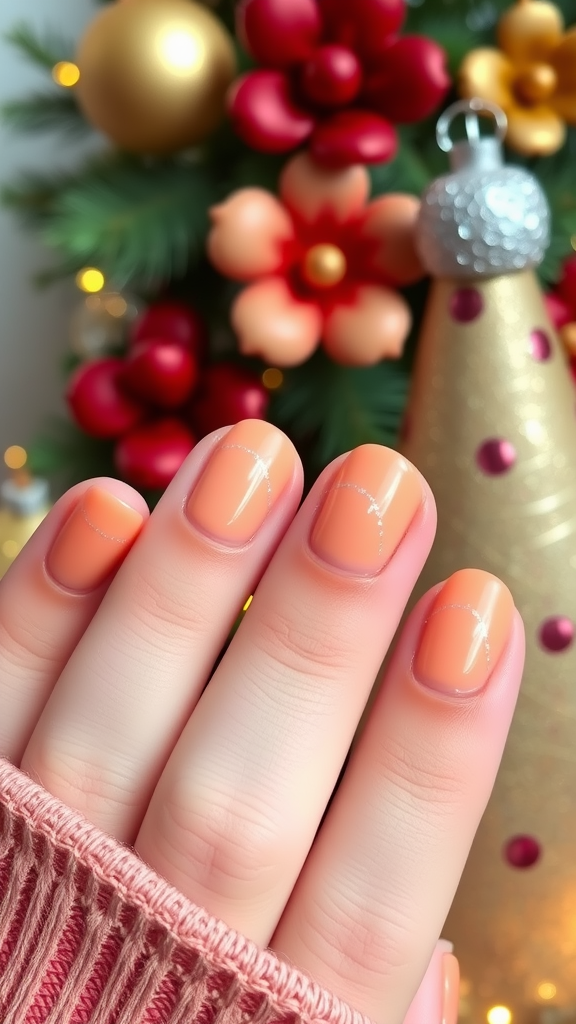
(492, 425)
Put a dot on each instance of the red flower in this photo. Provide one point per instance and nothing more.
(323, 264)
(561, 306)
(336, 73)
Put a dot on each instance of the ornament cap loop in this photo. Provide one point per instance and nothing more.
(470, 108)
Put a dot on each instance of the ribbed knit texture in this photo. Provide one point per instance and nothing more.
(88, 933)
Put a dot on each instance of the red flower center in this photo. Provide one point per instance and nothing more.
(332, 76)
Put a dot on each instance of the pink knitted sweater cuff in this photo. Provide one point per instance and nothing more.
(88, 933)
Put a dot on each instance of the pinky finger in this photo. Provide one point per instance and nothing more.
(50, 593)
(377, 886)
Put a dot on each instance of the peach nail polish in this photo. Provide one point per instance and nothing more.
(465, 633)
(93, 540)
(451, 992)
(366, 510)
(246, 473)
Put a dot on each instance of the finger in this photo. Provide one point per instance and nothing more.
(239, 803)
(51, 592)
(134, 678)
(376, 889)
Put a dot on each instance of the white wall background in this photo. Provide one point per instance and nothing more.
(33, 324)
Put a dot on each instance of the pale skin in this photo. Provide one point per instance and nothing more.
(222, 788)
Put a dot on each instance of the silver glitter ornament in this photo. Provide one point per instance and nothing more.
(485, 218)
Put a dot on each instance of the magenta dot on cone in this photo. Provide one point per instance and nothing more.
(522, 851)
(556, 633)
(540, 347)
(465, 305)
(496, 455)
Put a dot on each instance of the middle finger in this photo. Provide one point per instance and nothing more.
(238, 805)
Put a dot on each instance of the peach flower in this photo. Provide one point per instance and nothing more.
(323, 265)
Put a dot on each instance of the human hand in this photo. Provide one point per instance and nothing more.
(222, 788)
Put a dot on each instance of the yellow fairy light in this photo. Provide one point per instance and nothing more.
(272, 378)
(66, 73)
(499, 1015)
(15, 456)
(90, 279)
(546, 990)
(10, 548)
(115, 305)
(248, 603)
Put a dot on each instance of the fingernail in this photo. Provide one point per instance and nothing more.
(450, 997)
(436, 1001)
(93, 540)
(246, 473)
(366, 510)
(465, 633)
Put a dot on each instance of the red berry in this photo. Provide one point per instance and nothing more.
(162, 373)
(353, 137)
(264, 114)
(151, 454)
(366, 26)
(332, 76)
(278, 33)
(567, 287)
(228, 393)
(97, 401)
(171, 321)
(411, 80)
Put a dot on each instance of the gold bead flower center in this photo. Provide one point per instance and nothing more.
(535, 84)
(324, 265)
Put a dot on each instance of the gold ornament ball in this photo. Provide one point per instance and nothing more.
(324, 265)
(154, 74)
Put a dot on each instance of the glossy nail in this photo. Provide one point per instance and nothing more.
(93, 540)
(451, 993)
(431, 1003)
(465, 633)
(366, 510)
(246, 473)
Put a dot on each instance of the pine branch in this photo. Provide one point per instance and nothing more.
(66, 453)
(408, 172)
(329, 408)
(138, 221)
(43, 52)
(45, 112)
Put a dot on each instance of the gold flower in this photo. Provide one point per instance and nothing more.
(532, 76)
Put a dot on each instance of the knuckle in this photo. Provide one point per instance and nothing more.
(422, 776)
(229, 843)
(22, 637)
(102, 791)
(304, 641)
(358, 940)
